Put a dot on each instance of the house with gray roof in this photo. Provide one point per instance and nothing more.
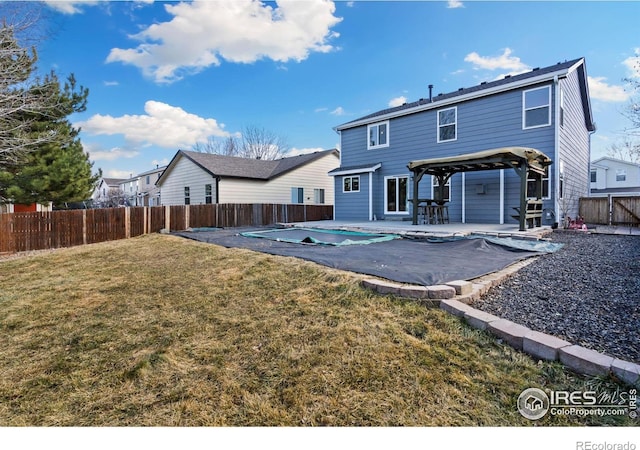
(392, 158)
(107, 192)
(201, 178)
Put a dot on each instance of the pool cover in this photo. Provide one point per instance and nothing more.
(415, 261)
(320, 236)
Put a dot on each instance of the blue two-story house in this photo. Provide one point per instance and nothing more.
(547, 110)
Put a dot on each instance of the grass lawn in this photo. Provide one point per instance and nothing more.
(160, 330)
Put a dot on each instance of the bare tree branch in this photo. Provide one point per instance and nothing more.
(627, 149)
(22, 96)
(228, 146)
(260, 143)
(255, 143)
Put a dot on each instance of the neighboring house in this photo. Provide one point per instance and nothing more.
(611, 176)
(107, 192)
(130, 191)
(200, 178)
(148, 192)
(547, 109)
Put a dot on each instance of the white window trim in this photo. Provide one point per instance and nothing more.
(350, 176)
(372, 147)
(397, 213)
(455, 123)
(548, 181)
(623, 173)
(433, 188)
(524, 109)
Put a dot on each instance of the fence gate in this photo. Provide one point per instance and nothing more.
(611, 210)
(625, 211)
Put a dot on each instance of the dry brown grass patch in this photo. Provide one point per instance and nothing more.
(160, 330)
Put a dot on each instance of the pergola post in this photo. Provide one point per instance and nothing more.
(414, 200)
(523, 171)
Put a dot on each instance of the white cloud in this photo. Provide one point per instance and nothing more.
(75, 6)
(162, 125)
(501, 62)
(111, 155)
(600, 90)
(111, 83)
(633, 64)
(160, 162)
(320, 110)
(70, 7)
(397, 101)
(241, 31)
(115, 173)
(339, 111)
(455, 4)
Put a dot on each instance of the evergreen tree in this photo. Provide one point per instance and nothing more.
(58, 170)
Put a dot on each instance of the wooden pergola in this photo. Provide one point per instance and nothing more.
(527, 162)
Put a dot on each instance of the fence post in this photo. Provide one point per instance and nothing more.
(84, 227)
(145, 217)
(127, 222)
(167, 217)
(187, 214)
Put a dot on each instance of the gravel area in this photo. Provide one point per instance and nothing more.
(587, 293)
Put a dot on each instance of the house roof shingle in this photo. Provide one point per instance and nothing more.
(478, 90)
(236, 167)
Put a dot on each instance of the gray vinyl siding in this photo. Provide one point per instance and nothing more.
(186, 174)
(573, 147)
(484, 123)
(353, 205)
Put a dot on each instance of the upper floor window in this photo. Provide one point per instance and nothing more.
(447, 124)
(351, 184)
(378, 135)
(148, 180)
(594, 176)
(621, 175)
(187, 195)
(536, 107)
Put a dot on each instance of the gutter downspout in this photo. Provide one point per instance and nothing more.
(370, 196)
(501, 197)
(556, 160)
(217, 189)
(464, 198)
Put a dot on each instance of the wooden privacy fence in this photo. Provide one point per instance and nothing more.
(611, 210)
(54, 229)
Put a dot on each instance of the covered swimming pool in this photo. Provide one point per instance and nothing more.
(415, 261)
(320, 236)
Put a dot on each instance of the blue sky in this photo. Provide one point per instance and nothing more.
(163, 76)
